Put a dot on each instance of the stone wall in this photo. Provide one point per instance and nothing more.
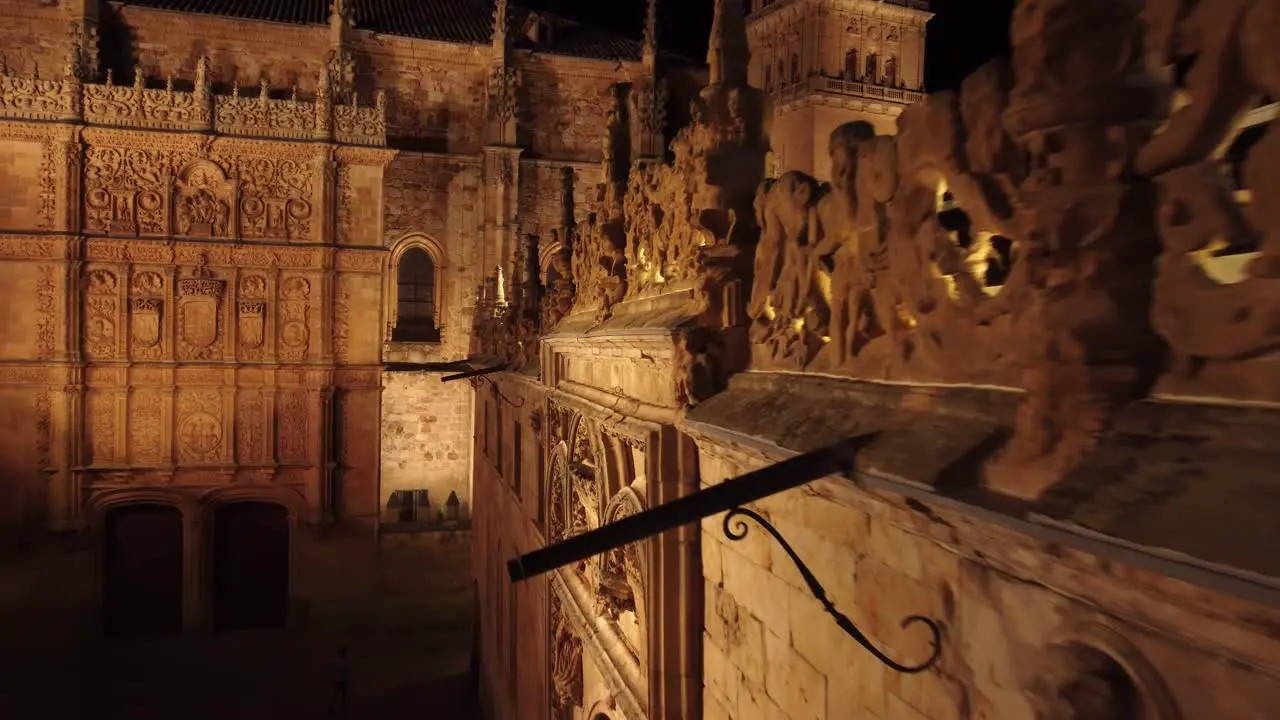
(1002, 597)
(34, 40)
(160, 43)
(513, 619)
(426, 437)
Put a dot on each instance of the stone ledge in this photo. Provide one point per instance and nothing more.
(1181, 489)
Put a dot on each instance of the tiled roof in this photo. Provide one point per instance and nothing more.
(460, 21)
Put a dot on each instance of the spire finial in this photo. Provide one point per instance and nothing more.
(727, 53)
(342, 19)
(500, 27)
(650, 49)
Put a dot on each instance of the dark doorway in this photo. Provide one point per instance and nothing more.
(142, 571)
(250, 566)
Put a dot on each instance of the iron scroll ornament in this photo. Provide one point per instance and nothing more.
(736, 531)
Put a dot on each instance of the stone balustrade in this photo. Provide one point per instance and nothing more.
(24, 97)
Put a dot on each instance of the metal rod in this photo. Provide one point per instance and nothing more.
(473, 373)
(730, 494)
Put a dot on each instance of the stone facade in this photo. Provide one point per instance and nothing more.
(204, 217)
(823, 63)
(1019, 302)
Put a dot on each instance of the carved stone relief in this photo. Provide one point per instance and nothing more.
(101, 416)
(146, 427)
(101, 314)
(250, 425)
(146, 315)
(251, 317)
(292, 425)
(200, 432)
(295, 319)
(200, 306)
(204, 202)
(566, 662)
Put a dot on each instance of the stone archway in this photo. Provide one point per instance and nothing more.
(142, 570)
(250, 572)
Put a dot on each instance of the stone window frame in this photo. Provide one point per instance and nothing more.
(391, 291)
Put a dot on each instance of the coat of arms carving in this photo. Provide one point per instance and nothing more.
(199, 303)
(252, 327)
(146, 322)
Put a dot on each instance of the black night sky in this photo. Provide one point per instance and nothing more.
(963, 34)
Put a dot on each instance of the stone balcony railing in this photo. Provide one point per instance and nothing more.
(823, 85)
(198, 110)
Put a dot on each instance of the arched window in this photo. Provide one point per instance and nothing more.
(782, 74)
(795, 68)
(870, 74)
(891, 71)
(768, 79)
(851, 65)
(416, 298)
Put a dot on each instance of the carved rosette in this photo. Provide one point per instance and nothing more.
(200, 324)
(146, 316)
(295, 320)
(101, 315)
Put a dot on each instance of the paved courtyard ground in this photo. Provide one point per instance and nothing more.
(408, 654)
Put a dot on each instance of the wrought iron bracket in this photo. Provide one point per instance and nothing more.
(735, 528)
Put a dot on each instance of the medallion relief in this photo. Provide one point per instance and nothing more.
(199, 432)
(295, 308)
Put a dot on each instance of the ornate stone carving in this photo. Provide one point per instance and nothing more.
(46, 314)
(200, 324)
(146, 316)
(25, 97)
(502, 84)
(295, 320)
(1223, 328)
(101, 413)
(620, 587)
(127, 190)
(251, 317)
(250, 436)
(342, 321)
(200, 435)
(146, 428)
(566, 661)
(101, 314)
(204, 201)
(558, 299)
(292, 426)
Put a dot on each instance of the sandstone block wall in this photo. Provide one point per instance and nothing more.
(1004, 600)
(513, 619)
(426, 437)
